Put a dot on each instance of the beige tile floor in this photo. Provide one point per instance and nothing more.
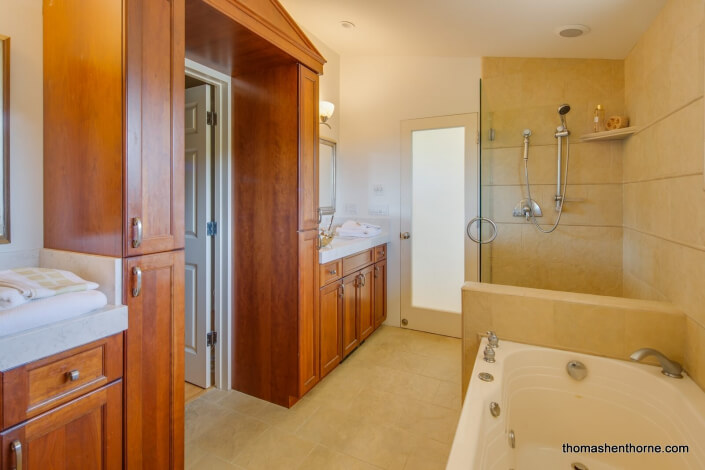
(393, 404)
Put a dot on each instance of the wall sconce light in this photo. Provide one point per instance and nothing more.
(325, 111)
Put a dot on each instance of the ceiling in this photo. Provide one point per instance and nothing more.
(476, 28)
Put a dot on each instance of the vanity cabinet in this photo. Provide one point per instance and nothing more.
(65, 411)
(353, 306)
(114, 186)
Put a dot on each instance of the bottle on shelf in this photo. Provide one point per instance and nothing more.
(598, 124)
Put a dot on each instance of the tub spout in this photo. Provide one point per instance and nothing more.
(669, 368)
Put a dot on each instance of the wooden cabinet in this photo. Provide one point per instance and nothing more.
(84, 434)
(366, 302)
(380, 278)
(114, 186)
(309, 363)
(154, 368)
(353, 307)
(331, 328)
(308, 149)
(350, 324)
(64, 412)
(113, 126)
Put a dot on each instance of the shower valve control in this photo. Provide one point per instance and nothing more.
(489, 354)
(492, 339)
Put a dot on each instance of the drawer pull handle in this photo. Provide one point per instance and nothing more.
(16, 448)
(73, 375)
(138, 281)
(137, 225)
(333, 272)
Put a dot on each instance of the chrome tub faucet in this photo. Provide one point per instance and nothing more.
(669, 368)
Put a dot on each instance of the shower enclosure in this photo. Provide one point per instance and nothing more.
(584, 252)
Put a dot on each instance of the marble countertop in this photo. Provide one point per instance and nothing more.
(341, 247)
(55, 337)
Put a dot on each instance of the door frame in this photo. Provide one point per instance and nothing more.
(223, 190)
(450, 324)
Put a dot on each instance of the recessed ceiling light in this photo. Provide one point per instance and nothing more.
(572, 30)
(347, 24)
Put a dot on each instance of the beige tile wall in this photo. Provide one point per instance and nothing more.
(585, 252)
(664, 197)
(605, 326)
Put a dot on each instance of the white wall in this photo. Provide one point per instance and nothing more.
(377, 93)
(22, 21)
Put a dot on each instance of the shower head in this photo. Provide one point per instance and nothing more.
(562, 111)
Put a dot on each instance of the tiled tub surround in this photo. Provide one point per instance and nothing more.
(592, 324)
(585, 253)
(664, 197)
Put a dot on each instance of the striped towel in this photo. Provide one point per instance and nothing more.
(38, 283)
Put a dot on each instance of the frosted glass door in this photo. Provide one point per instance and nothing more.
(437, 218)
(439, 197)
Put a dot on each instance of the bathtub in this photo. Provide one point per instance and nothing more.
(619, 403)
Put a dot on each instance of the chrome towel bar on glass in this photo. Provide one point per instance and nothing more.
(480, 219)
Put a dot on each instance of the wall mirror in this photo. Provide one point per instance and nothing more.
(326, 176)
(4, 139)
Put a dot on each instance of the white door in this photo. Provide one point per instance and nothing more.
(197, 212)
(440, 195)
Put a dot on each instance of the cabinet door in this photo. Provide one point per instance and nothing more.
(308, 311)
(351, 336)
(366, 302)
(308, 149)
(331, 315)
(154, 169)
(84, 434)
(380, 292)
(154, 361)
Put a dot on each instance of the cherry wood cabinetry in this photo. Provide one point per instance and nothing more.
(114, 185)
(331, 328)
(380, 292)
(154, 388)
(309, 348)
(64, 412)
(113, 126)
(351, 307)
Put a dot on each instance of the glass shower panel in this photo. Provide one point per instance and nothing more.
(487, 134)
(438, 214)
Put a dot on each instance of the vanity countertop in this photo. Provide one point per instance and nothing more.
(341, 247)
(57, 336)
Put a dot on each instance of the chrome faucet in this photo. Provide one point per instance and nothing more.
(669, 368)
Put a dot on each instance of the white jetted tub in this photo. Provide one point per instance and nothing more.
(619, 403)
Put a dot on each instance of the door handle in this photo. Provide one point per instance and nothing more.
(137, 227)
(376, 272)
(138, 281)
(16, 448)
(405, 235)
(341, 290)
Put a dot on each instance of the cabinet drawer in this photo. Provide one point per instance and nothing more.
(357, 261)
(330, 272)
(39, 386)
(380, 252)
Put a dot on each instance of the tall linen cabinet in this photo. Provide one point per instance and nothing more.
(113, 186)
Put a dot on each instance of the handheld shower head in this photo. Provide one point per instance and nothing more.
(562, 111)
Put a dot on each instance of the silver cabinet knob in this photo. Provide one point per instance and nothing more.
(333, 272)
(72, 376)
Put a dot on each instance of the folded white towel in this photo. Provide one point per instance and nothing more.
(353, 225)
(358, 234)
(10, 297)
(38, 283)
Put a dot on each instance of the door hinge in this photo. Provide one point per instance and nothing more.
(211, 118)
(212, 228)
(211, 338)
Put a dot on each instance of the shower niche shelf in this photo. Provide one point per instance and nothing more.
(617, 134)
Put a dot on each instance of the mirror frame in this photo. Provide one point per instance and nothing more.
(328, 210)
(5, 150)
